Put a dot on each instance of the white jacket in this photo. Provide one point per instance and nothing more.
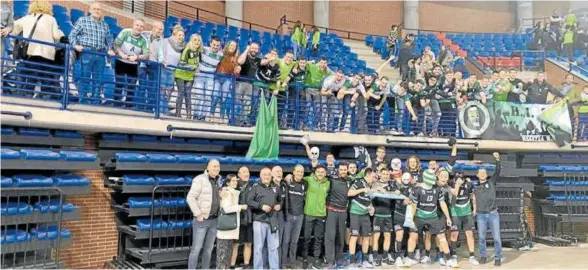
(230, 204)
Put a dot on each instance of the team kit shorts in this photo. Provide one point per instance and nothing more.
(432, 225)
(360, 225)
(383, 224)
(465, 223)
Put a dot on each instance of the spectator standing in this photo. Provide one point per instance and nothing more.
(555, 21)
(204, 202)
(294, 216)
(227, 69)
(298, 39)
(316, 39)
(229, 203)
(6, 25)
(249, 61)
(315, 213)
(330, 104)
(316, 73)
(445, 57)
(337, 217)
(568, 84)
(131, 48)
(392, 39)
(91, 33)
(360, 210)
(297, 77)
(148, 71)
(189, 61)
(171, 52)
(569, 33)
(350, 88)
(487, 212)
(246, 226)
(279, 88)
(39, 57)
(204, 82)
(431, 105)
(539, 89)
(502, 87)
(376, 98)
(539, 36)
(264, 201)
(404, 56)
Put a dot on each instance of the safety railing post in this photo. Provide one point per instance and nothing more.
(197, 14)
(157, 90)
(233, 97)
(167, 9)
(64, 99)
(353, 122)
(296, 107)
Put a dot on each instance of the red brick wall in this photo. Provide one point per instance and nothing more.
(269, 13)
(187, 9)
(545, 8)
(122, 21)
(365, 16)
(466, 16)
(94, 236)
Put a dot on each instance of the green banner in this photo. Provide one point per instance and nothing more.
(265, 143)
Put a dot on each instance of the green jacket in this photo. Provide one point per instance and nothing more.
(298, 37)
(575, 99)
(316, 38)
(189, 59)
(316, 196)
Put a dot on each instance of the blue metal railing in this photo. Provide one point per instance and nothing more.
(212, 97)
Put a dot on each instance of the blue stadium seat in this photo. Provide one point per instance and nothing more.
(35, 154)
(49, 232)
(187, 158)
(179, 224)
(15, 208)
(173, 140)
(53, 206)
(9, 153)
(172, 201)
(162, 158)
(78, 156)
(6, 182)
(169, 180)
(145, 224)
(76, 14)
(137, 179)
(32, 180)
(114, 137)
(68, 134)
(142, 202)
(70, 180)
(130, 157)
(143, 138)
(34, 132)
(7, 130)
(10, 236)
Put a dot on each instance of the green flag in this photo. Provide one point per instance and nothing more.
(265, 143)
(559, 124)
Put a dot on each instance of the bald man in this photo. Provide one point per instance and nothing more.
(204, 201)
(277, 179)
(91, 33)
(264, 199)
(148, 70)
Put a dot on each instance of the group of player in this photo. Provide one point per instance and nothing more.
(385, 199)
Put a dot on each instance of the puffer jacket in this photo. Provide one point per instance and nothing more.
(230, 204)
(200, 196)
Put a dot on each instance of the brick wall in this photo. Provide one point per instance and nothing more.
(94, 236)
(122, 20)
(557, 74)
(470, 16)
(545, 8)
(373, 17)
(269, 13)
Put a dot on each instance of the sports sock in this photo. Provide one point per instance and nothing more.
(453, 247)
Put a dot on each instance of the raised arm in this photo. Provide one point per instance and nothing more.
(243, 56)
(497, 169)
(381, 67)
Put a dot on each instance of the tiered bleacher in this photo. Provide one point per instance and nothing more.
(36, 183)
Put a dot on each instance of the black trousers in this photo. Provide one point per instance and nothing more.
(126, 78)
(335, 236)
(313, 226)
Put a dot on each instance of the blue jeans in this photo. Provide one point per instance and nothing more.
(90, 77)
(399, 114)
(222, 95)
(289, 243)
(203, 237)
(297, 49)
(493, 220)
(346, 111)
(203, 88)
(263, 236)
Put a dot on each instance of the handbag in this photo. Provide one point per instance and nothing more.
(21, 46)
(226, 221)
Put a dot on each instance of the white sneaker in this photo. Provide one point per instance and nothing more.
(473, 260)
(442, 261)
(425, 260)
(417, 255)
(366, 264)
(390, 259)
(452, 263)
(399, 261)
(408, 261)
(371, 258)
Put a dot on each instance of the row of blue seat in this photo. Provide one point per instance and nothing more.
(561, 183)
(158, 224)
(147, 202)
(7, 130)
(563, 168)
(10, 236)
(41, 154)
(560, 197)
(35, 180)
(23, 208)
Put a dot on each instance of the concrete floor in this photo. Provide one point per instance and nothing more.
(540, 257)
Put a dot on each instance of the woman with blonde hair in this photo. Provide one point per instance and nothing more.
(39, 57)
(170, 50)
(185, 77)
(229, 67)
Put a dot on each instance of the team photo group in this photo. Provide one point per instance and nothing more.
(365, 213)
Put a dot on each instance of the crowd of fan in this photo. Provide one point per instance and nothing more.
(562, 34)
(203, 78)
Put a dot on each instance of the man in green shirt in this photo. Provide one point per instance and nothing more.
(360, 210)
(315, 212)
(316, 73)
(131, 47)
(286, 64)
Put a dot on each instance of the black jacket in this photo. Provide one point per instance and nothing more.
(337, 196)
(486, 193)
(244, 188)
(537, 92)
(260, 195)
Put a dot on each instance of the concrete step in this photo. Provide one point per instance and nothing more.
(372, 59)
